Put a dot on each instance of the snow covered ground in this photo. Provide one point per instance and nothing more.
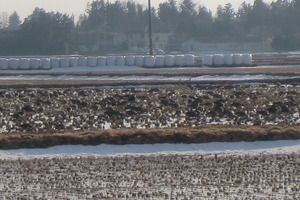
(96, 69)
(27, 74)
(115, 68)
(259, 147)
(152, 77)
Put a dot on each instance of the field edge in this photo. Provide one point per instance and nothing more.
(203, 134)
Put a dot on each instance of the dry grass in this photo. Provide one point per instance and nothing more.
(150, 136)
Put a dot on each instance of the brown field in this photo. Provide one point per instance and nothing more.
(167, 114)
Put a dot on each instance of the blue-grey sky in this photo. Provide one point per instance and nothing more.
(77, 7)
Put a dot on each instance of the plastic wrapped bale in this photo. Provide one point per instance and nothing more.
(34, 63)
(189, 59)
(159, 61)
(169, 60)
(111, 60)
(247, 59)
(218, 59)
(24, 63)
(82, 61)
(3, 63)
(13, 63)
(140, 61)
(54, 62)
(130, 60)
(228, 59)
(149, 61)
(179, 60)
(237, 59)
(73, 62)
(64, 62)
(101, 60)
(120, 60)
(45, 63)
(92, 61)
(207, 60)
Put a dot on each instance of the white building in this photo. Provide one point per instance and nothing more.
(223, 45)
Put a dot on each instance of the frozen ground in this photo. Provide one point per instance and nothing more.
(107, 68)
(96, 69)
(258, 170)
(281, 146)
(152, 78)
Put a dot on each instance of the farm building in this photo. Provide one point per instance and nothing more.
(226, 45)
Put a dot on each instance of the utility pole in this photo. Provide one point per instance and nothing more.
(150, 28)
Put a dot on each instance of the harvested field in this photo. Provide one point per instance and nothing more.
(181, 111)
(157, 176)
(79, 109)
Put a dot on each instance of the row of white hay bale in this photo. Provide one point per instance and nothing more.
(227, 59)
(139, 60)
(64, 62)
(24, 63)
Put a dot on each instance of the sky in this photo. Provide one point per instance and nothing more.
(77, 7)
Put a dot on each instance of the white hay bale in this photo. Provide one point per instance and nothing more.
(140, 61)
(3, 63)
(45, 63)
(13, 63)
(207, 60)
(34, 63)
(111, 60)
(228, 59)
(82, 61)
(54, 62)
(169, 60)
(179, 60)
(149, 61)
(218, 59)
(247, 59)
(120, 60)
(189, 59)
(101, 61)
(92, 61)
(130, 60)
(237, 59)
(73, 62)
(159, 61)
(24, 63)
(64, 62)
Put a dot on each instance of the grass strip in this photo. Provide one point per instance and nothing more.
(150, 136)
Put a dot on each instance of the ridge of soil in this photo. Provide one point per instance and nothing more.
(150, 136)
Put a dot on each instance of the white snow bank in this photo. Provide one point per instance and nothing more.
(259, 147)
(152, 78)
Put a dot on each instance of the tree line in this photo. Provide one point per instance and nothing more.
(45, 32)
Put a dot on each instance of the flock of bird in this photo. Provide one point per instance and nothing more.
(153, 176)
(61, 109)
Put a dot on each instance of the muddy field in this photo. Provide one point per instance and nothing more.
(78, 109)
(170, 176)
